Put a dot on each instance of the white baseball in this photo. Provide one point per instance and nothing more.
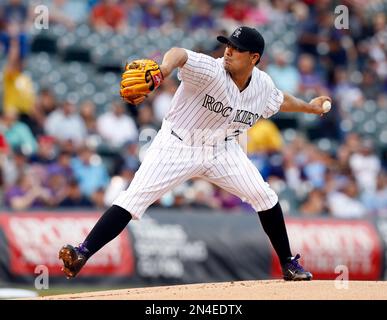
(326, 106)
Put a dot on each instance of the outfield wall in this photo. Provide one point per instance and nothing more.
(180, 246)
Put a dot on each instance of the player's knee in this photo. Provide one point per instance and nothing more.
(266, 201)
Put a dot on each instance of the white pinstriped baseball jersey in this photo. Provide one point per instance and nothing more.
(197, 137)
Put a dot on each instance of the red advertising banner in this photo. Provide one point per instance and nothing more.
(35, 239)
(330, 248)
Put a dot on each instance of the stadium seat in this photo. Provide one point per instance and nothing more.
(285, 121)
(83, 31)
(369, 127)
(44, 42)
(358, 116)
(381, 117)
(54, 77)
(58, 30)
(60, 89)
(370, 106)
(68, 40)
(346, 125)
(88, 90)
(93, 41)
(383, 137)
(76, 53)
(74, 97)
(327, 145)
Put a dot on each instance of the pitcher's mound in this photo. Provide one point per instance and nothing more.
(246, 290)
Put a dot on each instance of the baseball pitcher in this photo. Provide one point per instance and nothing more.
(217, 100)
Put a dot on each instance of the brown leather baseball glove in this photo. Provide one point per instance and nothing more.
(139, 79)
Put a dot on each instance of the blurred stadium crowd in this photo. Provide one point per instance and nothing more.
(68, 141)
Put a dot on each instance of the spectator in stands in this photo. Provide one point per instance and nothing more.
(88, 113)
(46, 152)
(18, 134)
(180, 198)
(370, 85)
(92, 3)
(381, 100)
(130, 156)
(56, 183)
(98, 199)
(4, 148)
(353, 142)
(292, 172)
(66, 12)
(299, 12)
(14, 16)
(201, 194)
(18, 89)
(27, 194)
(226, 200)
(237, 10)
(315, 167)
(285, 76)
(264, 143)
(12, 166)
(344, 201)
(294, 160)
(344, 91)
(60, 14)
(153, 16)
(69, 147)
(145, 118)
(45, 104)
(311, 83)
(378, 43)
(365, 166)
(74, 197)
(134, 12)
(203, 18)
(376, 201)
(15, 11)
(124, 126)
(343, 154)
(318, 36)
(264, 137)
(63, 165)
(90, 172)
(66, 124)
(259, 14)
(108, 15)
(315, 204)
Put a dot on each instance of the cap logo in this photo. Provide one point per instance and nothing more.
(237, 33)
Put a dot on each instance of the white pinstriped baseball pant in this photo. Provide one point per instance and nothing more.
(169, 162)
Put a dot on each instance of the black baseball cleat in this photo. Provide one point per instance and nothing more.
(293, 271)
(73, 260)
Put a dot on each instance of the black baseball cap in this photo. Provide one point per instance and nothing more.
(245, 38)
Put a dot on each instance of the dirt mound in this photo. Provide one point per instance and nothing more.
(245, 290)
